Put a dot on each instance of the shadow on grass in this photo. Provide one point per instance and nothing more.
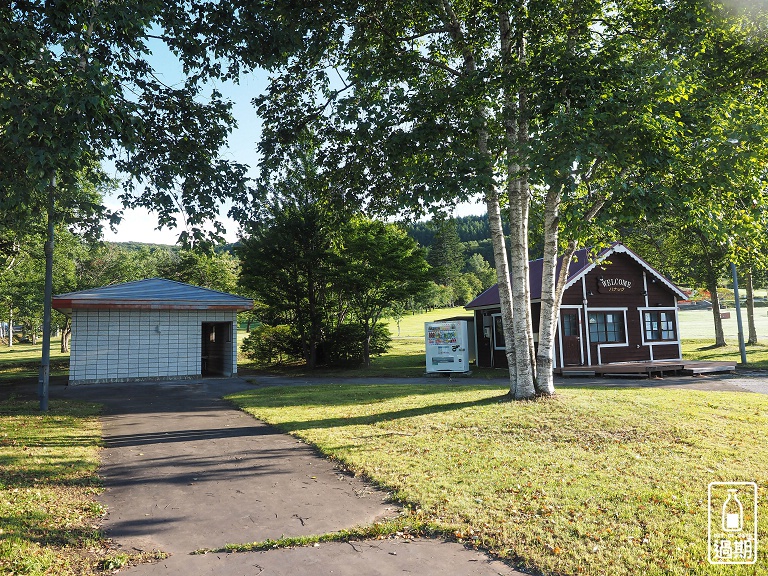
(349, 392)
(713, 347)
(32, 528)
(380, 416)
(387, 366)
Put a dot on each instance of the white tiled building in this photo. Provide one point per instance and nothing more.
(151, 329)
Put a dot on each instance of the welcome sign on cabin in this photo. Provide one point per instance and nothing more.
(607, 285)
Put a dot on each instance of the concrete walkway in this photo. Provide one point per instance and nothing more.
(184, 470)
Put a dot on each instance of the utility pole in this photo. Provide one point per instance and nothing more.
(45, 363)
(742, 348)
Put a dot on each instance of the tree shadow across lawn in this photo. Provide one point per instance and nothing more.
(35, 527)
(712, 347)
(386, 416)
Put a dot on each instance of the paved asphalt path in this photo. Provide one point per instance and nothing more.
(184, 470)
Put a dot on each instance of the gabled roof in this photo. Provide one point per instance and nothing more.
(581, 264)
(151, 294)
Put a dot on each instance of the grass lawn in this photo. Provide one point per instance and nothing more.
(22, 361)
(49, 516)
(593, 481)
(698, 332)
(757, 356)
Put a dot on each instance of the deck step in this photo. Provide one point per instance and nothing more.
(647, 369)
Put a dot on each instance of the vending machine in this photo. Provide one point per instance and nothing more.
(447, 346)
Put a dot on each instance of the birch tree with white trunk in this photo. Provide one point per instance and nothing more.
(422, 105)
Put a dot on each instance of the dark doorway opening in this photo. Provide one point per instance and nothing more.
(216, 349)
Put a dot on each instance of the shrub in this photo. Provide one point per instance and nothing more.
(268, 345)
(345, 346)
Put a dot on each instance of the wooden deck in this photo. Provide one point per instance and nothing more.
(649, 369)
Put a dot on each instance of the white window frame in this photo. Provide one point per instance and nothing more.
(643, 312)
(651, 343)
(602, 345)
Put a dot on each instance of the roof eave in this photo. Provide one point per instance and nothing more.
(622, 249)
(68, 305)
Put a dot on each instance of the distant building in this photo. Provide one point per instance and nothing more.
(151, 329)
(616, 308)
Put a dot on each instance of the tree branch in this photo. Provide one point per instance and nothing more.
(440, 65)
(602, 199)
(424, 59)
(413, 37)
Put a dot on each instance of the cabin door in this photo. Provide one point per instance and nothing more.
(571, 337)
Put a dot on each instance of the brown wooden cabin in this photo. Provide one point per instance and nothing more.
(616, 308)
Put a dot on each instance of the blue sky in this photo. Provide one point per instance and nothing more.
(140, 225)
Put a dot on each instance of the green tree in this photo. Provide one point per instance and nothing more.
(446, 254)
(286, 263)
(397, 311)
(379, 266)
(106, 263)
(480, 267)
(209, 269)
(77, 88)
(713, 186)
(465, 287)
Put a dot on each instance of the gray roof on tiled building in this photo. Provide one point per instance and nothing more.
(152, 293)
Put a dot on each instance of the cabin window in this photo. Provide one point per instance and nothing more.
(659, 325)
(570, 324)
(606, 327)
(498, 333)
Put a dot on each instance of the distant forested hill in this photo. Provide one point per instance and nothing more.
(474, 233)
(469, 228)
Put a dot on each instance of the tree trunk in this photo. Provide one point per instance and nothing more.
(367, 348)
(10, 326)
(66, 333)
(525, 207)
(712, 287)
(516, 138)
(505, 288)
(752, 340)
(550, 304)
(499, 244)
(314, 336)
(519, 202)
(492, 198)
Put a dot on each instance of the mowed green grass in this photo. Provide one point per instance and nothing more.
(592, 481)
(697, 329)
(48, 483)
(21, 362)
